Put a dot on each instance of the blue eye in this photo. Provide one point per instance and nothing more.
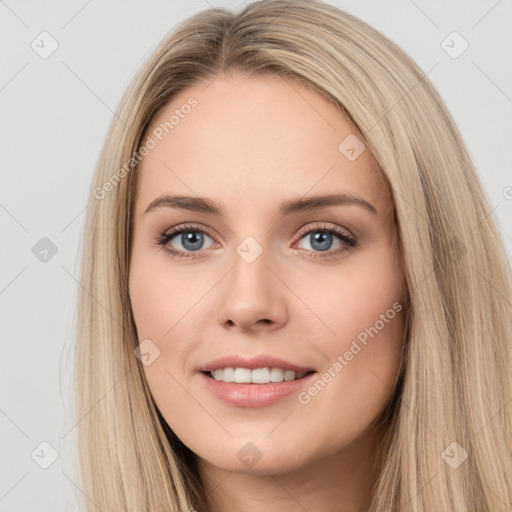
(321, 238)
(190, 237)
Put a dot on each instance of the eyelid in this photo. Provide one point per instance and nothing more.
(324, 226)
(170, 233)
(187, 227)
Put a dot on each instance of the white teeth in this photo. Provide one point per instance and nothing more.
(260, 376)
(256, 376)
(242, 375)
(228, 375)
(276, 375)
(289, 375)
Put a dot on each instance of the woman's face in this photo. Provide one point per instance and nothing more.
(265, 280)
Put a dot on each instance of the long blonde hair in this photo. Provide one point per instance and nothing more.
(455, 384)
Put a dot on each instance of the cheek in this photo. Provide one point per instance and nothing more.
(362, 301)
(162, 311)
(362, 336)
(158, 297)
(166, 310)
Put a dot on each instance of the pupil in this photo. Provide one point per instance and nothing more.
(318, 238)
(193, 238)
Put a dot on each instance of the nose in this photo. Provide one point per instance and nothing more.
(252, 298)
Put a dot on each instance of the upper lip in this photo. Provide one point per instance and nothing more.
(260, 361)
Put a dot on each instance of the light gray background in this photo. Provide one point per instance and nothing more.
(54, 117)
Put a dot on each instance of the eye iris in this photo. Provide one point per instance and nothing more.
(320, 238)
(194, 237)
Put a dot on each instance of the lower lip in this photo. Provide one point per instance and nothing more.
(254, 395)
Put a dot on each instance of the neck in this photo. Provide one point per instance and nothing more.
(342, 481)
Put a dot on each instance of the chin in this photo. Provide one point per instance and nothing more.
(256, 458)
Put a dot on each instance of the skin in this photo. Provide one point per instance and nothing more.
(250, 144)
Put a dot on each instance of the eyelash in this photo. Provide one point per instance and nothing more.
(163, 239)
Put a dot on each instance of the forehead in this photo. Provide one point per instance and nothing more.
(254, 140)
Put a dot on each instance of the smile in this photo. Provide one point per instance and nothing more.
(256, 376)
(251, 394)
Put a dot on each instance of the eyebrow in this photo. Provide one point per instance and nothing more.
(308, 204)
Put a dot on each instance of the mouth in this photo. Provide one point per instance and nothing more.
(253, 381)
(243, 387)
(260, 376)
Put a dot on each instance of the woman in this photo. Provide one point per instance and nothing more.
(294, 296)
